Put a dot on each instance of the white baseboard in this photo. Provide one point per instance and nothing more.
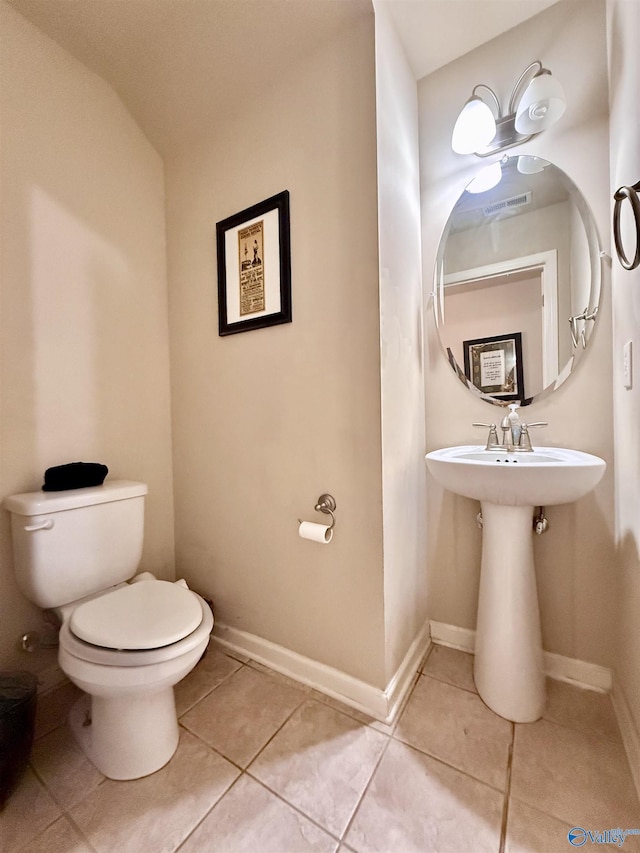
(401, 682)
(579, 672)
(462, 639)
(583, 674)
(383, 705)
(629, 732)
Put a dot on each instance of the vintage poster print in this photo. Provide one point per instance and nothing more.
(251, 264)
(253, 254)
(492, 368)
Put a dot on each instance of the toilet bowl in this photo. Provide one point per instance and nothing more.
(125, 639)
(127, 724)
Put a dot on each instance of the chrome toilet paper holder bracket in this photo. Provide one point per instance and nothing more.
(327, 505)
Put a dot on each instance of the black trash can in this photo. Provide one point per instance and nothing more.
(18, 691)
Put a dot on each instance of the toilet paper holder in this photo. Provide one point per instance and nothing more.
(327, 505)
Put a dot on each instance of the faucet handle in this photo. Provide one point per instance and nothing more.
(524, 442)
(525, 439)
(492, 439)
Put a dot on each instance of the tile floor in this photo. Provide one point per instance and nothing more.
(266, 765)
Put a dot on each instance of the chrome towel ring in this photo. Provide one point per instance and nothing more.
(620, 195)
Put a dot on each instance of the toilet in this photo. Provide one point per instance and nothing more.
(125, 639)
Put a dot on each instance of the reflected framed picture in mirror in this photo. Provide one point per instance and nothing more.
(494, 366)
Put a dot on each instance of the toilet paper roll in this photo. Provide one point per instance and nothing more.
(321, 533)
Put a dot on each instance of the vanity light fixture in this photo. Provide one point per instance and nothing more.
(488, 178)
(537, 102)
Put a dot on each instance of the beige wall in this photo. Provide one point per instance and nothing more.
(401, 324)
(265, 421)
(624, 69)
(575, 559)
(84, 359)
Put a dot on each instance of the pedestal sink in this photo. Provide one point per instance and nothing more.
(508, 665)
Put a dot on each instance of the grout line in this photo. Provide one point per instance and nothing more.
(425, 658)
(210, 691)
(310, 698)
(294, 807)
(208, 746)
(585, 732)
(612, 738)
(450, 683)
(444, 761)
(307, 698)
(184, 725)
(263, 669)
(208, 812)
(277, 731)
(64, 810)
(79, 831)
(356, 808)
(507, 793)
(46, 788)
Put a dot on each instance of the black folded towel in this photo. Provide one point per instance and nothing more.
(75, 475)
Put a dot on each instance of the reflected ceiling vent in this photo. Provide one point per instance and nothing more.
(512, 203)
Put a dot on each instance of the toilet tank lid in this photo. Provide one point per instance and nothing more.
(43, 503)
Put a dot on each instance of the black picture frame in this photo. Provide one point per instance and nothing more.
(253, 250)
(493, 365)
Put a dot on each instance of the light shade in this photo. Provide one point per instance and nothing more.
(530, 165)
(541, 105)
(488, 178)
(474, 128)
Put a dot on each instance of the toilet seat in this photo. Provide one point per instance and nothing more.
(137, 617)
(85, 651)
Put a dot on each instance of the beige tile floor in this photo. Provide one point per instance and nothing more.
(266, 765)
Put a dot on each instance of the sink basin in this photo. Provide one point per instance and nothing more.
(550, 475)
(508, 665)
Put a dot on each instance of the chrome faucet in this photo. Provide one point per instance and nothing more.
(515, 433)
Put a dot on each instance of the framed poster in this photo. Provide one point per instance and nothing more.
(494, 366)
(254, 267)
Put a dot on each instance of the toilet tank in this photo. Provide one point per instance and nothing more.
(70, 544)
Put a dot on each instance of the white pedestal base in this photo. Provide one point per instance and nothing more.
(128, 736)
(508, 666)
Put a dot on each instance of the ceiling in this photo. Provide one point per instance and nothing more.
(435, 32)
(179, 64)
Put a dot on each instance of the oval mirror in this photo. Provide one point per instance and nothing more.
(517, 280)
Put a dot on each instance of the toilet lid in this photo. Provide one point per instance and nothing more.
(145, 615)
